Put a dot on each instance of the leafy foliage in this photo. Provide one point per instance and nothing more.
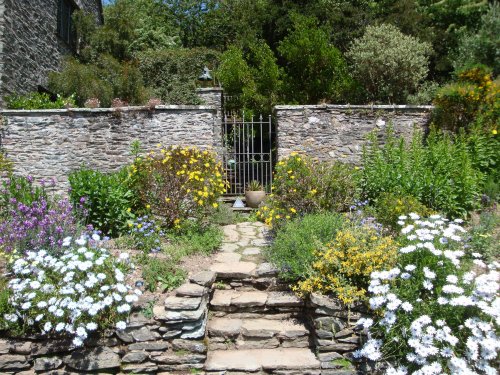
(104, 79)
(301, 186)
(106, 197)
(481, 47)
(294, 246)
(440, 174)
(475, 96)
(390, 64)
(172, 73)
(35, 100)
(389, 207)
(343, 267)
(178, 183)
(315, 70)
(6, 165)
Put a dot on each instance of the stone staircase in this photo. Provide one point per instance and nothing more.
(254, 325)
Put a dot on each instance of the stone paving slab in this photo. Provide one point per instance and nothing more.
(227, 257)
(254, 360)
(235, 270)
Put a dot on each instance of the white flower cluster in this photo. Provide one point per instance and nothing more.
(433, 284)
(69, 294)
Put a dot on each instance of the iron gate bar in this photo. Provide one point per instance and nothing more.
(243, 160)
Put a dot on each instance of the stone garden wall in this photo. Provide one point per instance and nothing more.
(52, 143)
(171, 341)
(338, 132)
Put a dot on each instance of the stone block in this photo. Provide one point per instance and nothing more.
(91, 360)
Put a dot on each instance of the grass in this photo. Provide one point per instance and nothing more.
(4, 298)
(164, 273)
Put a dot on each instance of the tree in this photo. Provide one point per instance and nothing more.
(390, 64)
(482, 47)
(251, 74)
(315, 70)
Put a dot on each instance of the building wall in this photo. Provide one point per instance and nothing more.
(338, 132)
(29, 46)
(52, 143)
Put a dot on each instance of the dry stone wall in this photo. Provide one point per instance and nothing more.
(338, 132)
(52, 143)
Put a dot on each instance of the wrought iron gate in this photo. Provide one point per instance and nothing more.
(247, 152)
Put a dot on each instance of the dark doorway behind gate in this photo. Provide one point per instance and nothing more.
(248, 145)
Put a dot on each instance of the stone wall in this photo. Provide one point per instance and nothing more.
(29, 45)
(338, 132)
(52, 143)
(172, 341)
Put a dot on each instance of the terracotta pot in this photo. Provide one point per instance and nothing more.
(254, 198)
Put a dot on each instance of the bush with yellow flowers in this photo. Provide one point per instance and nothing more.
(302, 185)
(177, 183)
(474, 95)
(343, 267)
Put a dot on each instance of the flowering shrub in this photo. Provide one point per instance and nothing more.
(301, 185)
(343, 267)
(146, 234)
(475, 94)
(29, 219)
(106, 198)
(75, 294)
(178, 182)
(434, 316)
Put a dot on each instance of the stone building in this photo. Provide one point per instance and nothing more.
(34, 36)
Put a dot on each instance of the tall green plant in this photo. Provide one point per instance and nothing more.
(106, 198)
(439, 173)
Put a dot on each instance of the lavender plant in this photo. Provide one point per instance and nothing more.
(435, 314)
(30, 220)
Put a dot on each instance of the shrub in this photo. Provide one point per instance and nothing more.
(301, 185)
(251, 77)
(439, 174)
(433, 315)
(104, 79)
(31, 220)
(106, 198)
(179, 183)
(75, 294)
(390, 64)
(35, 100)
(343, 266)
(389, 207)
(293, 248)
(474, 95)
(172, 73)
(315, 69)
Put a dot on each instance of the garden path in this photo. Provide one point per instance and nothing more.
(254, 323)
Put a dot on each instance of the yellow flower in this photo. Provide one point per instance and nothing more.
(167, 200)
(494, 132)
(215, 205)
(177, 221)
(314, 191)
(129, 209)
(293, 210)
(148, 206)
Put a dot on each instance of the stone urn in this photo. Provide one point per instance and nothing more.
(254, 194)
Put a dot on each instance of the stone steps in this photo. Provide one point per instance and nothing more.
(233, 333)
(263, 361)
(255, 301)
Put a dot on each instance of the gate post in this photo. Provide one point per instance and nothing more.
(212, 96)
